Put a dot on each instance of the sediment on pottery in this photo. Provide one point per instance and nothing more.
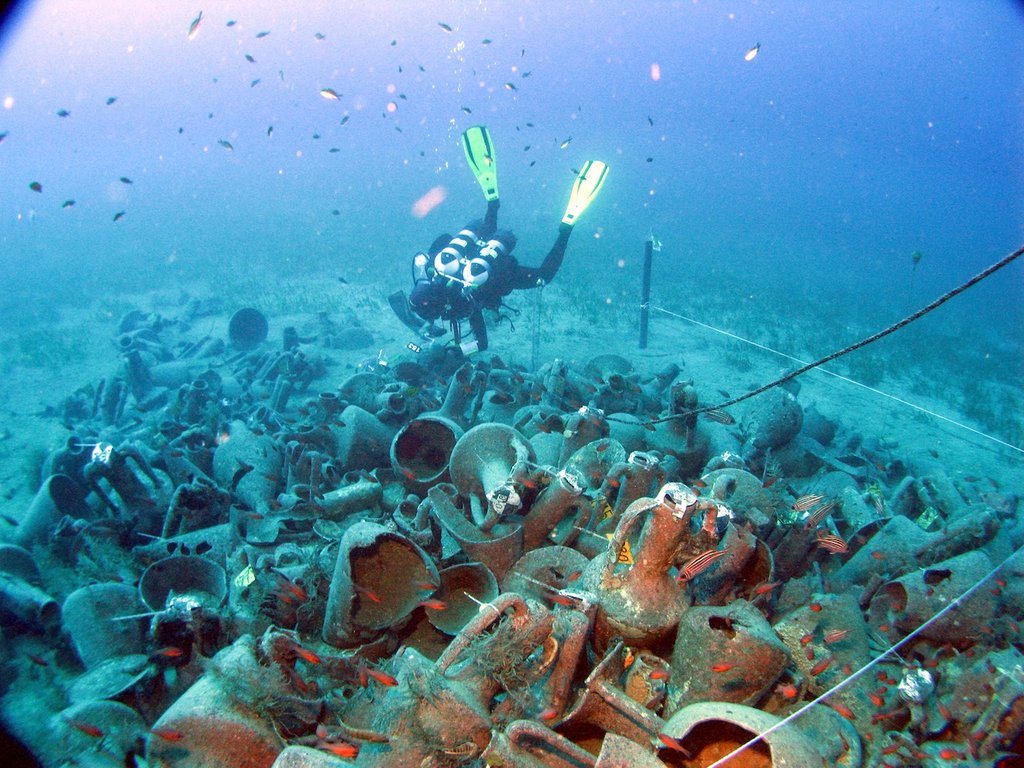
(95, 618)
(906, 603)
(59, 495)
(422, 449)
(199, 578)
(378, 580)
(22, 602)
(710, 730)
(497, 548)
(640, 601)
(748, 656)
(458, 584)
(481, 462)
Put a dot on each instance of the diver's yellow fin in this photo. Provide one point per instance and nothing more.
(480, 156)
(588, 183)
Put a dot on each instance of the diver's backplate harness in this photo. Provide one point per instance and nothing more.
(467, 261)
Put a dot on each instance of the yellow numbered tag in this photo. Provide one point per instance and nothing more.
(625, 554)
(607, 511)
(246, 577)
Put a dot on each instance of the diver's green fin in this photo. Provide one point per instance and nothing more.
(480, 156)
(588, 183)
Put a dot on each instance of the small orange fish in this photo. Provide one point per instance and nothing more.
(294, 588)
(944, 710)
(434, 605)
(821, 666)
(426, 586)
(948, 753)
(764, 589)
(815, 607)
(878, 554)
(367, 593)
(562, 599)
(339, 748)
(806, 639)
(659, 674)
(306, 655)
(87, 728)
(548, 714)
(789, 691)
(170, 652)
(629, 658)
(168, 734)
(382, 677)
(843, 710)
(722, 667)
(573, 576)
(674, 744)
(876, 700)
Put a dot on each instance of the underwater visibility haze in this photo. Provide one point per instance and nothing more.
(273, 492)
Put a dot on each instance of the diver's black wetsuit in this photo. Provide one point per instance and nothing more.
(440, 296)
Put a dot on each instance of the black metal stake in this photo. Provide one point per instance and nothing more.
(645, 291)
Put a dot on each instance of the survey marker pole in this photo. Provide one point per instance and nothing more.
(650, 247)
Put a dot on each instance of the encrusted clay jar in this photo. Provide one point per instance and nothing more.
(640, 601)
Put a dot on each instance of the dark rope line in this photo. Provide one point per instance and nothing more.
(862, 343)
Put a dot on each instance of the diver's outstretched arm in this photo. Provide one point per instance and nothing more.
(531, 277)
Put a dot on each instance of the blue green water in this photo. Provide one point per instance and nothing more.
(793, 187)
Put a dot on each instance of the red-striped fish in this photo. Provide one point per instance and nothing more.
(835, 635)
(701, 563)
(832, 543)
(719, 416)
(818, 515)
(807, 501)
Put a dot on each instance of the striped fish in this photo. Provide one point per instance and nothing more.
(700, 563)
(806, 502)
(818, 515)
(720, 416)
(832, 543)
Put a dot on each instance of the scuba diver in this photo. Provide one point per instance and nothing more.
(460, 276)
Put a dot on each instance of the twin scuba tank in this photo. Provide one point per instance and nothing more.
(466, 260)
